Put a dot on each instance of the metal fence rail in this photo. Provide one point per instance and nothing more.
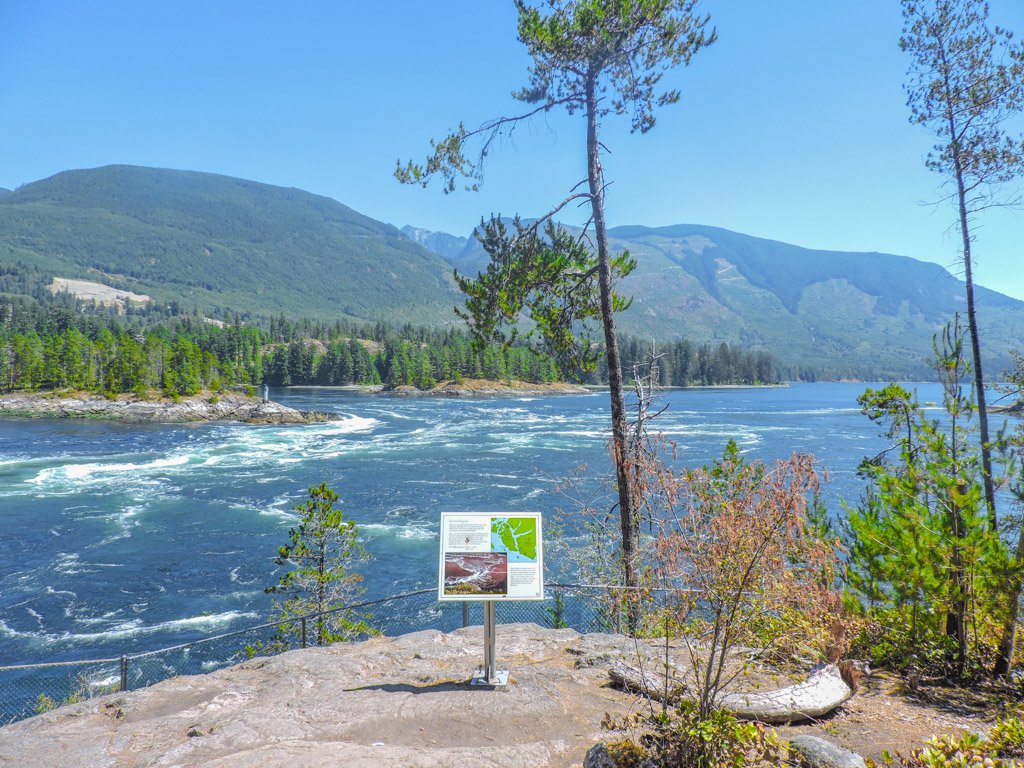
(29, 689)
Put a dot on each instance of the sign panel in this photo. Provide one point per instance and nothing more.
(491, 556)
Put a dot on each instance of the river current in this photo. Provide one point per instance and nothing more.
(119, 539)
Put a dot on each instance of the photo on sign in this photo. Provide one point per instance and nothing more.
(483, 573)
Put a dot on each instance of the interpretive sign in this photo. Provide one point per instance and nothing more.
(491, 556)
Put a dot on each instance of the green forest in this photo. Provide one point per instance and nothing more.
(60, 344)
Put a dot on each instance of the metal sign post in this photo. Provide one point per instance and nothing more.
(490, 556)
(489, 674)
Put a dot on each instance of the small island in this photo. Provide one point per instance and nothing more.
(1013, 409)
(133, 409)
(489, 388)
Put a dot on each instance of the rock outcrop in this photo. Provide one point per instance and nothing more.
(385, 702)
(490, 388)
(134, 410)
(406, 701)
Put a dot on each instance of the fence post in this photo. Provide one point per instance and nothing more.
(618, 611)
(124, 673)
(303, 631)
(465, 614)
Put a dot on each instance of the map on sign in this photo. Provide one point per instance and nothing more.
(517, 536)
(491, 556)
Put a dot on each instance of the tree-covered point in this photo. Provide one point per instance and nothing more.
(54, 346)
(60, 344)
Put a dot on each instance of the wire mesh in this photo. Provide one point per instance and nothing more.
(30, 689)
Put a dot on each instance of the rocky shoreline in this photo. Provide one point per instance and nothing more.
(131, 409)
(489, 388)
(1016, 409)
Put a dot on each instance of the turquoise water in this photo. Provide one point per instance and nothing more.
(119, 539)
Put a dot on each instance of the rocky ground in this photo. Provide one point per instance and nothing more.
(405, 702)
(132, 409)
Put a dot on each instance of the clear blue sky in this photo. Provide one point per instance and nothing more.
(792, 127)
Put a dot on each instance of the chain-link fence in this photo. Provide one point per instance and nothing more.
(29, 689)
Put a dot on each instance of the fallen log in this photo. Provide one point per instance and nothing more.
(644, 682)
(818, 695)
(824, 691)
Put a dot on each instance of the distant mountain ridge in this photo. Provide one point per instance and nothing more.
(215, 241)
(846, 314)
(442, 243)
(786, 270)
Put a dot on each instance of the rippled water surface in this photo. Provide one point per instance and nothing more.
(120, 538)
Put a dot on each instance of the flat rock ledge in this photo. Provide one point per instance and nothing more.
(133, 410)
(406, 701)
(400, 701)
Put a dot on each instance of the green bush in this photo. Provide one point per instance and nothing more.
(682, 738)
(1003, 747)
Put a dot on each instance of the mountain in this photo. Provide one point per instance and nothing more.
(442, 243)
(863, 315)
(4, 192)
(214, 241)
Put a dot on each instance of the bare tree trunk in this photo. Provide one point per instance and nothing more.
(627, 517)
(956, 619)
(972, 326)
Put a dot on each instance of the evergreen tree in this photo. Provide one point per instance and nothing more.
(595, 57)
(321, 553)
(966, 81)
(922, 552)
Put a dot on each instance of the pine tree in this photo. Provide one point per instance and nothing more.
(595, 58)
(966, 81)
(321, 553)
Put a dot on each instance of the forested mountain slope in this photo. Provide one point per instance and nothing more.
(213, 241)
(842, 314)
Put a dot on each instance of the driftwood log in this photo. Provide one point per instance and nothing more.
(818, 695)
(646, 682)
(824, 691)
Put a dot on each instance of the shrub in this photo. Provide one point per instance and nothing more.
(1003, 746)
(747, 566)
(925, 562)
(685, 738)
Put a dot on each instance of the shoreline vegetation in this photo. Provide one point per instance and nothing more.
(64, 346)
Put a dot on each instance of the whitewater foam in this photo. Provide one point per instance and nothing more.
(421, 531)
(133, 628)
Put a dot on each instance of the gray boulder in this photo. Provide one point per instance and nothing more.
(816, 752)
